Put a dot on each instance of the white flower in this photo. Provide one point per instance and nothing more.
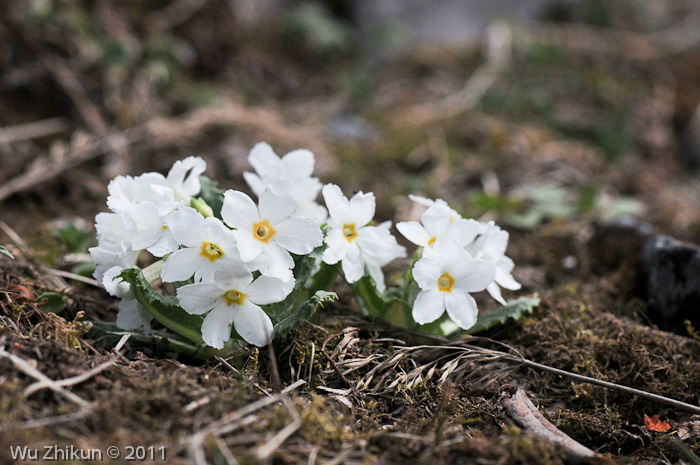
(374, 264)
(132, 315)
(147, 221)
(183, 178)
(437, 224)
(446, 279)
(454, 214)
(234, 298)
(124, 191)
(206, 241)
(350, 239)
(491, 246)
(295, 167)
(269, 231)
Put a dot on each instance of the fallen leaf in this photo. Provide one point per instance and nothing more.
(24, 293)
(654, 424)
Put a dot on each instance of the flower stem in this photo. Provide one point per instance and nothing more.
(152, 271)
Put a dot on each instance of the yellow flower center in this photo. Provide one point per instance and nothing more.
(211, 251)
(263, 231)
(234, 297)
(349, 232)
(445, 282)
(165, 227)
(432, 241)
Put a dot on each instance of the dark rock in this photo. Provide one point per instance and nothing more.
(672, 283)
(620, 242)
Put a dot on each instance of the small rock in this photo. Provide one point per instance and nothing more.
(673, 282)
(620, 242)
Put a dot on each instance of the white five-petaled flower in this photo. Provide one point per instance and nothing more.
(351, 240)
(491, 246)
(205, 242)
(446, 279)
(436, 224)
(296, 167)
(269, 231)
(234, 299)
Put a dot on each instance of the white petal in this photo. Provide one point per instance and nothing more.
(375, 272)
(299, 235)
(436, 219)
(464, 231)
(253, 324)
(414, 232)
(232, 274)
(116, 286)
(254, 182)
(461, 307)
(362, 208)
(181, 265)
(375, 241)
(426, 272)
(337, 204)
(275, 208)
(165, 245)
(248, 247)
(353, 264)
(337, 247)
(506, 280)
(198, 299)
(186, 225)
(263, 158)
(216, 327)
(280, 263)
(239, 211)
(310, 209)
(132, 315)
(495, 292)
(266, 290)
(298, 164)
(191, 167)
(428, 307)
(473, 275)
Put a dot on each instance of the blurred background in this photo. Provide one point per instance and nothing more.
(521, 111)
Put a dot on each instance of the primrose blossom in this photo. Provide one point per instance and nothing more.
(269, 231)
(491, 246)
(446, 280)
(436, 224)
(205, 241)
(233, 298)
(297, 168)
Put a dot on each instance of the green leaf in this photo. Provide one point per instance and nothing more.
(515, 310)
(6, 252)
(165, 309)
(77, 240)
(213, 196)
(52, 302)
(159, 339)
(303, 313)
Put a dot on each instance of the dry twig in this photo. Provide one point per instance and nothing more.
(521, 409)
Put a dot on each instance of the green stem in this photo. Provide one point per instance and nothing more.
(324, 277)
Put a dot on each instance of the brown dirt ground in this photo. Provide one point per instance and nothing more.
(573, 116)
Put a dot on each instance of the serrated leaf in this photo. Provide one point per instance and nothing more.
(303, 313)
(212, 195)
(52, 302)
(6, 252)
(160, 339)
(515, 310)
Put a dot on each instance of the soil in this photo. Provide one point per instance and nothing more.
(602, 125)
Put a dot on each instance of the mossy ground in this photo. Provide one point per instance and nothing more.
(592, 124)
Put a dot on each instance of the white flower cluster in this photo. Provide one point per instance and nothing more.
(460, 256)
(225, 268)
